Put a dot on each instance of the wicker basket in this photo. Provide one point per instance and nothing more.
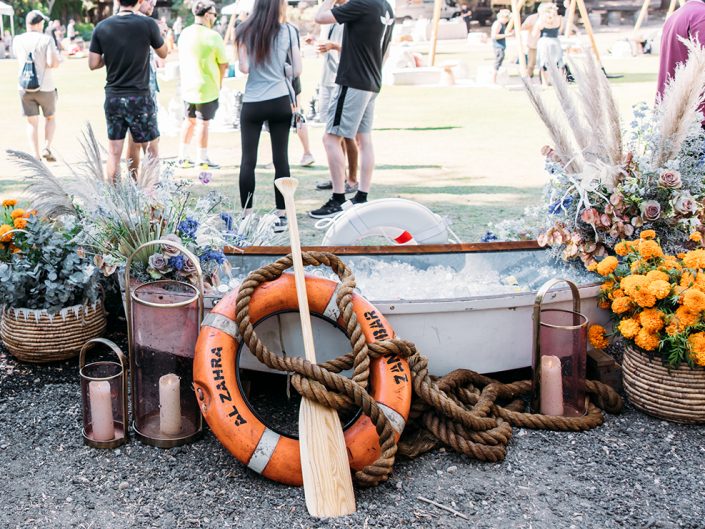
(673, 394)
(38, 337)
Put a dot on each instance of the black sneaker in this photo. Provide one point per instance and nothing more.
(280, 225)
(329, 209)
(324, 185)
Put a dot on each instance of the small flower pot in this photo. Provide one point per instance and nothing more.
(676, 395)
(39, 337)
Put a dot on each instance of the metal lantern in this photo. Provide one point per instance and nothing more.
(163, 322)
(104, 397)
(560, 349)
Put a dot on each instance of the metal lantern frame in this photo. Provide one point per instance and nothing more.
(129, 299)
(540, 295)
(124, 374)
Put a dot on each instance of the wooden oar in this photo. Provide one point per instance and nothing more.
(324, 457)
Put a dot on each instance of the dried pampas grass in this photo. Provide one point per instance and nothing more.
(681, 99)
(560, 134)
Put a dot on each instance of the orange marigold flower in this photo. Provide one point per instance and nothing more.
(20, 223)
(19, 212)
(646, 340)
(649, 249)
(9, 202)
(699, 359)
(660, 288)
(634, 283)
(621, 248)
(592, 266)
(607, 265)
(648, 234)
(686, 317)
(654, 275)
(4, 235)
(644, 298)
(596, 335)
(670, 263)
(621, 305)
(673, 328)
(14, 249)
(680, 255)
(694, 300)
(696, 236)
(651, 320)
(629, 328)
(687, 280)
(694, 259)
(604, 305)
(619, 293)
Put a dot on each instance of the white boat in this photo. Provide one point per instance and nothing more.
(487, 332)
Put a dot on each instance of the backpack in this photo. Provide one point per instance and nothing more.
(28, 77)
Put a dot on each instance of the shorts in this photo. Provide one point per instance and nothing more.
(202, 111)
(325, 96)
(138, 114)
(351, 112)
(498, 56)
(33, 101)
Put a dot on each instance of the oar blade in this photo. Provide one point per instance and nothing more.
(324, 462)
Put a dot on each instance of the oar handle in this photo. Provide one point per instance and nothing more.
(287, 187)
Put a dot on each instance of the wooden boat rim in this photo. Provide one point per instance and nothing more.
(421, 249)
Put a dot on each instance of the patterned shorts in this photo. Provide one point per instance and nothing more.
(138, 114)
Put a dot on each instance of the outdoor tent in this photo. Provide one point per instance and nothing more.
(238, 7)
(6, 11)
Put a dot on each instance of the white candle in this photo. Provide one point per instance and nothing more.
(551, 386)
(101, 405)
(170, 404)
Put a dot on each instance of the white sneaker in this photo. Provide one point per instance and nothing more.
(307, 160)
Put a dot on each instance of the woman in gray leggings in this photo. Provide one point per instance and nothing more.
(264, 42)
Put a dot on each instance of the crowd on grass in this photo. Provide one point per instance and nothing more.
(354, 40)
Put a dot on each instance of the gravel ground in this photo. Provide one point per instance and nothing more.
(633, 472)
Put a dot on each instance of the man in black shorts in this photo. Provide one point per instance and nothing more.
(121, 43)
(366, 36)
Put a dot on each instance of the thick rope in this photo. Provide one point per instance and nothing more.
(471, 413)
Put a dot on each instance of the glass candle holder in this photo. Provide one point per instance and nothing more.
(164, 319)
(104, 397)
(559, 360)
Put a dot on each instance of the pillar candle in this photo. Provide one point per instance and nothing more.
(551, 386)
(170, 404)
(101, 410)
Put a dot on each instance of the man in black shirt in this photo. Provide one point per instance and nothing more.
(368, 31)
(122, 43)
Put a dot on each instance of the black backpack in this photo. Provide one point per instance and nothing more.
(28, 77)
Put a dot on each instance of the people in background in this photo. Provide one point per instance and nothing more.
(122, 44)
(329, 47)
(264, 41)
(466, 13)
(499, 34)
(368, 26)
(177, 27)
(134, 150)
(40, 49)
(548, 48)
(203, 63)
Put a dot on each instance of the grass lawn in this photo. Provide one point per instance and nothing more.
(468, 153)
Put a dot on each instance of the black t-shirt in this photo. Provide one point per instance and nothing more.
(124, 41)
(368, 31)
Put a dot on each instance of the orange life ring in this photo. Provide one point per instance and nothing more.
(275, 455)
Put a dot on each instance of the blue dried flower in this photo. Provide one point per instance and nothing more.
(228, 220)
(489, 237)
(213, 255)
(187, 228)
(557, 207)
(177, 262)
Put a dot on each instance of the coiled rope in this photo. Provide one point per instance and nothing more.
(471, 413)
